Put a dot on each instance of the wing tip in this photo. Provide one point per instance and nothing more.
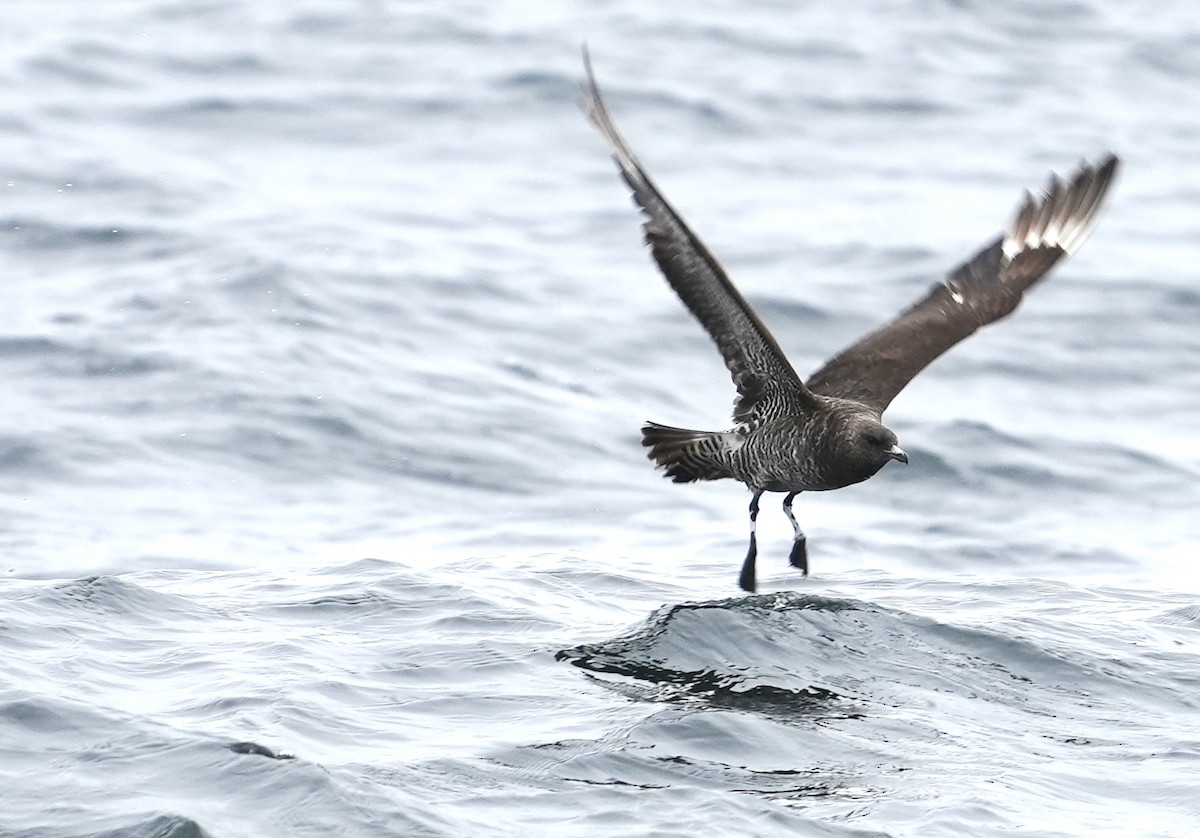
(592, 102)
(1064, 214)
(595, 109)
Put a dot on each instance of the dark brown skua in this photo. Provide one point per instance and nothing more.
(825, 433)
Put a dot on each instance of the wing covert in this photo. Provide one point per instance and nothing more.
(763, 376)
(989, 286)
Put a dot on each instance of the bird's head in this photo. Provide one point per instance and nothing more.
(870, 446)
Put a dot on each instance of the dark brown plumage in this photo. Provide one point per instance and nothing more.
(794, 436)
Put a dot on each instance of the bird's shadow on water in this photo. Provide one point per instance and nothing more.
(746, 685)
(760, 654)
(798, 697)
(803, 658)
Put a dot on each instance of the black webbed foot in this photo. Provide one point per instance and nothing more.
(748, 578)
(799, 555)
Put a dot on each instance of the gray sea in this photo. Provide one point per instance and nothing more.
(327, 334)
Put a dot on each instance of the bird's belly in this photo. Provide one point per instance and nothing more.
(777, 468)
(790, 484)
(789, 468)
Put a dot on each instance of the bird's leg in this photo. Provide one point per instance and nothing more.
(799, 556)
(748, 579)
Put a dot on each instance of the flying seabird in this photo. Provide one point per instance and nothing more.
(798, 436)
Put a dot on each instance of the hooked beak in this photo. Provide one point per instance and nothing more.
(897, 453)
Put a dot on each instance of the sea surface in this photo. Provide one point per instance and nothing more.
(327, 334)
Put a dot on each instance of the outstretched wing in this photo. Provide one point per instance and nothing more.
(765, 381)
(1045, 229)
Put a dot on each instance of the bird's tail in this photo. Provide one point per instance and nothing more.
(686, 455)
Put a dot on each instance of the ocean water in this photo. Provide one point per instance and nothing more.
(327, 335)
